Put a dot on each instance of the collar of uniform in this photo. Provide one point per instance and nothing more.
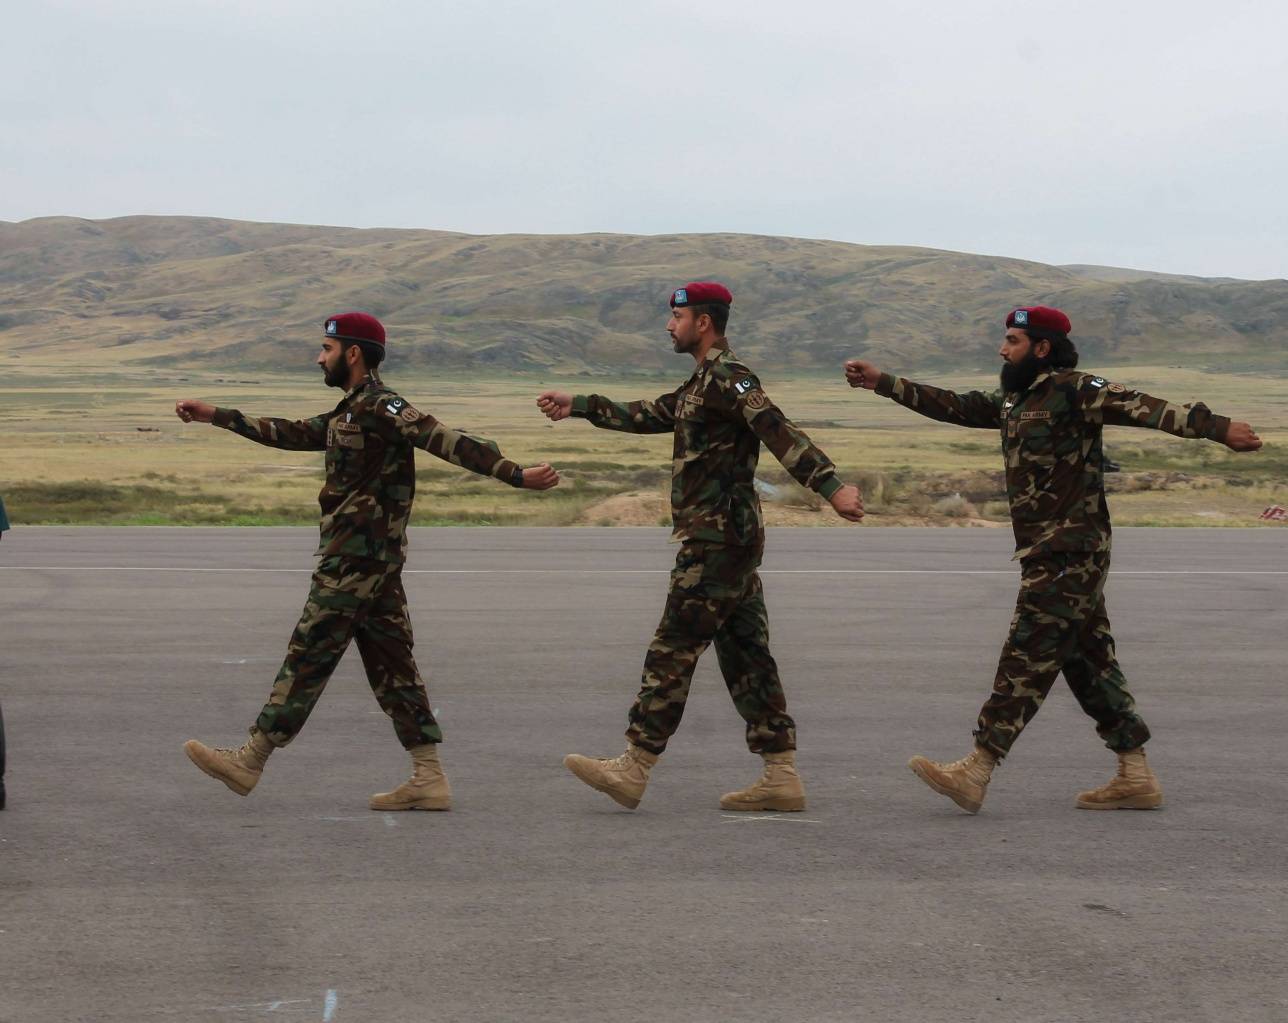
(718, 349)
(372, 379)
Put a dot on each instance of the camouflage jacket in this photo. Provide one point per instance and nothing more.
(370, 440)
(719, 417)
(1051, 444)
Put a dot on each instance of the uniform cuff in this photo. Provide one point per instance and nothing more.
(1219, 429)
(223, 417)
(829, 487)
(580, 405)
(885, 384)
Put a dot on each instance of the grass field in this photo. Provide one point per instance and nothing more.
(106, 448)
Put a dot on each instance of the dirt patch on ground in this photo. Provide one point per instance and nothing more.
(636, 508)
(650, 508)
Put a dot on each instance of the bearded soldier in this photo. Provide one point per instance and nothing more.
(357, 594)
(1050, 419)
(720, 417)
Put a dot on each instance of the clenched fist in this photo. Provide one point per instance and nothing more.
(555, 405)
(191, 411)
(1241, 437)
(540, 477)
(848, 502)
(859, 373)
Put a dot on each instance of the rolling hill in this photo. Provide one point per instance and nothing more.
(186, 291)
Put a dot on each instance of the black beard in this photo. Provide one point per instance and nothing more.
(336, 377)
(1019, 376)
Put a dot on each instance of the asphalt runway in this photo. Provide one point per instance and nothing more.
(134, 888)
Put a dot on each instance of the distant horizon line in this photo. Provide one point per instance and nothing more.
(637, 234)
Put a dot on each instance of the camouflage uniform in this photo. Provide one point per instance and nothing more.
(357, 593)
(719, 417)
(1051, 441)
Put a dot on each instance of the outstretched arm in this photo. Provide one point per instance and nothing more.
(804, 460)
(290, 435)
(976, 408)
(1116, 405)
(476, 454)
(656, 416)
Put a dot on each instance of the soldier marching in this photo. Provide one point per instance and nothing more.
(370, 439)
(1050, 419)
(720, 416)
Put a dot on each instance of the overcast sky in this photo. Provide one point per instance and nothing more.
(1146, 134)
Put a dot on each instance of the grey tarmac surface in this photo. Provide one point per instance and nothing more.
(134, 888)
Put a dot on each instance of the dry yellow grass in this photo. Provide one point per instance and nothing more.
(107, 448)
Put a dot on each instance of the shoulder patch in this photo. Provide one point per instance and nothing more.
(399, 408)
(1116, 388)
(1097, 381)
(744, 385)
(756, 400)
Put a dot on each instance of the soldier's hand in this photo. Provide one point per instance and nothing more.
(194, 411)
(848, 503)
(861, 374)
(555, 405)
(1241, 437)
(540, 477)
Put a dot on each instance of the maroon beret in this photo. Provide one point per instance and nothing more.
(1042, 317)
(356, 327)
(700, 293)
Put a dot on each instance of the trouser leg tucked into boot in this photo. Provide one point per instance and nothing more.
(623, 778)
(963, 781)
(778, 788)
(239, 769)
(1134, 787)
(426, 789)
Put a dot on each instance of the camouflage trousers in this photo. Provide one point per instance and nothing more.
(352, 599)
(1060, 625)
(715, 595)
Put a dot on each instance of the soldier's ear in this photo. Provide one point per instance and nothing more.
(1042, 349)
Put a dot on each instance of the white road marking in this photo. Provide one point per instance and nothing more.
(328, 1009)
(793, 819)
(390, 821)
(243, 1006)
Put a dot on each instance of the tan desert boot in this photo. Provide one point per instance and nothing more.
(964, 781)
(426, 789)
(623, 778)
(1134, 787)
(239, 769)
(779, 787)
